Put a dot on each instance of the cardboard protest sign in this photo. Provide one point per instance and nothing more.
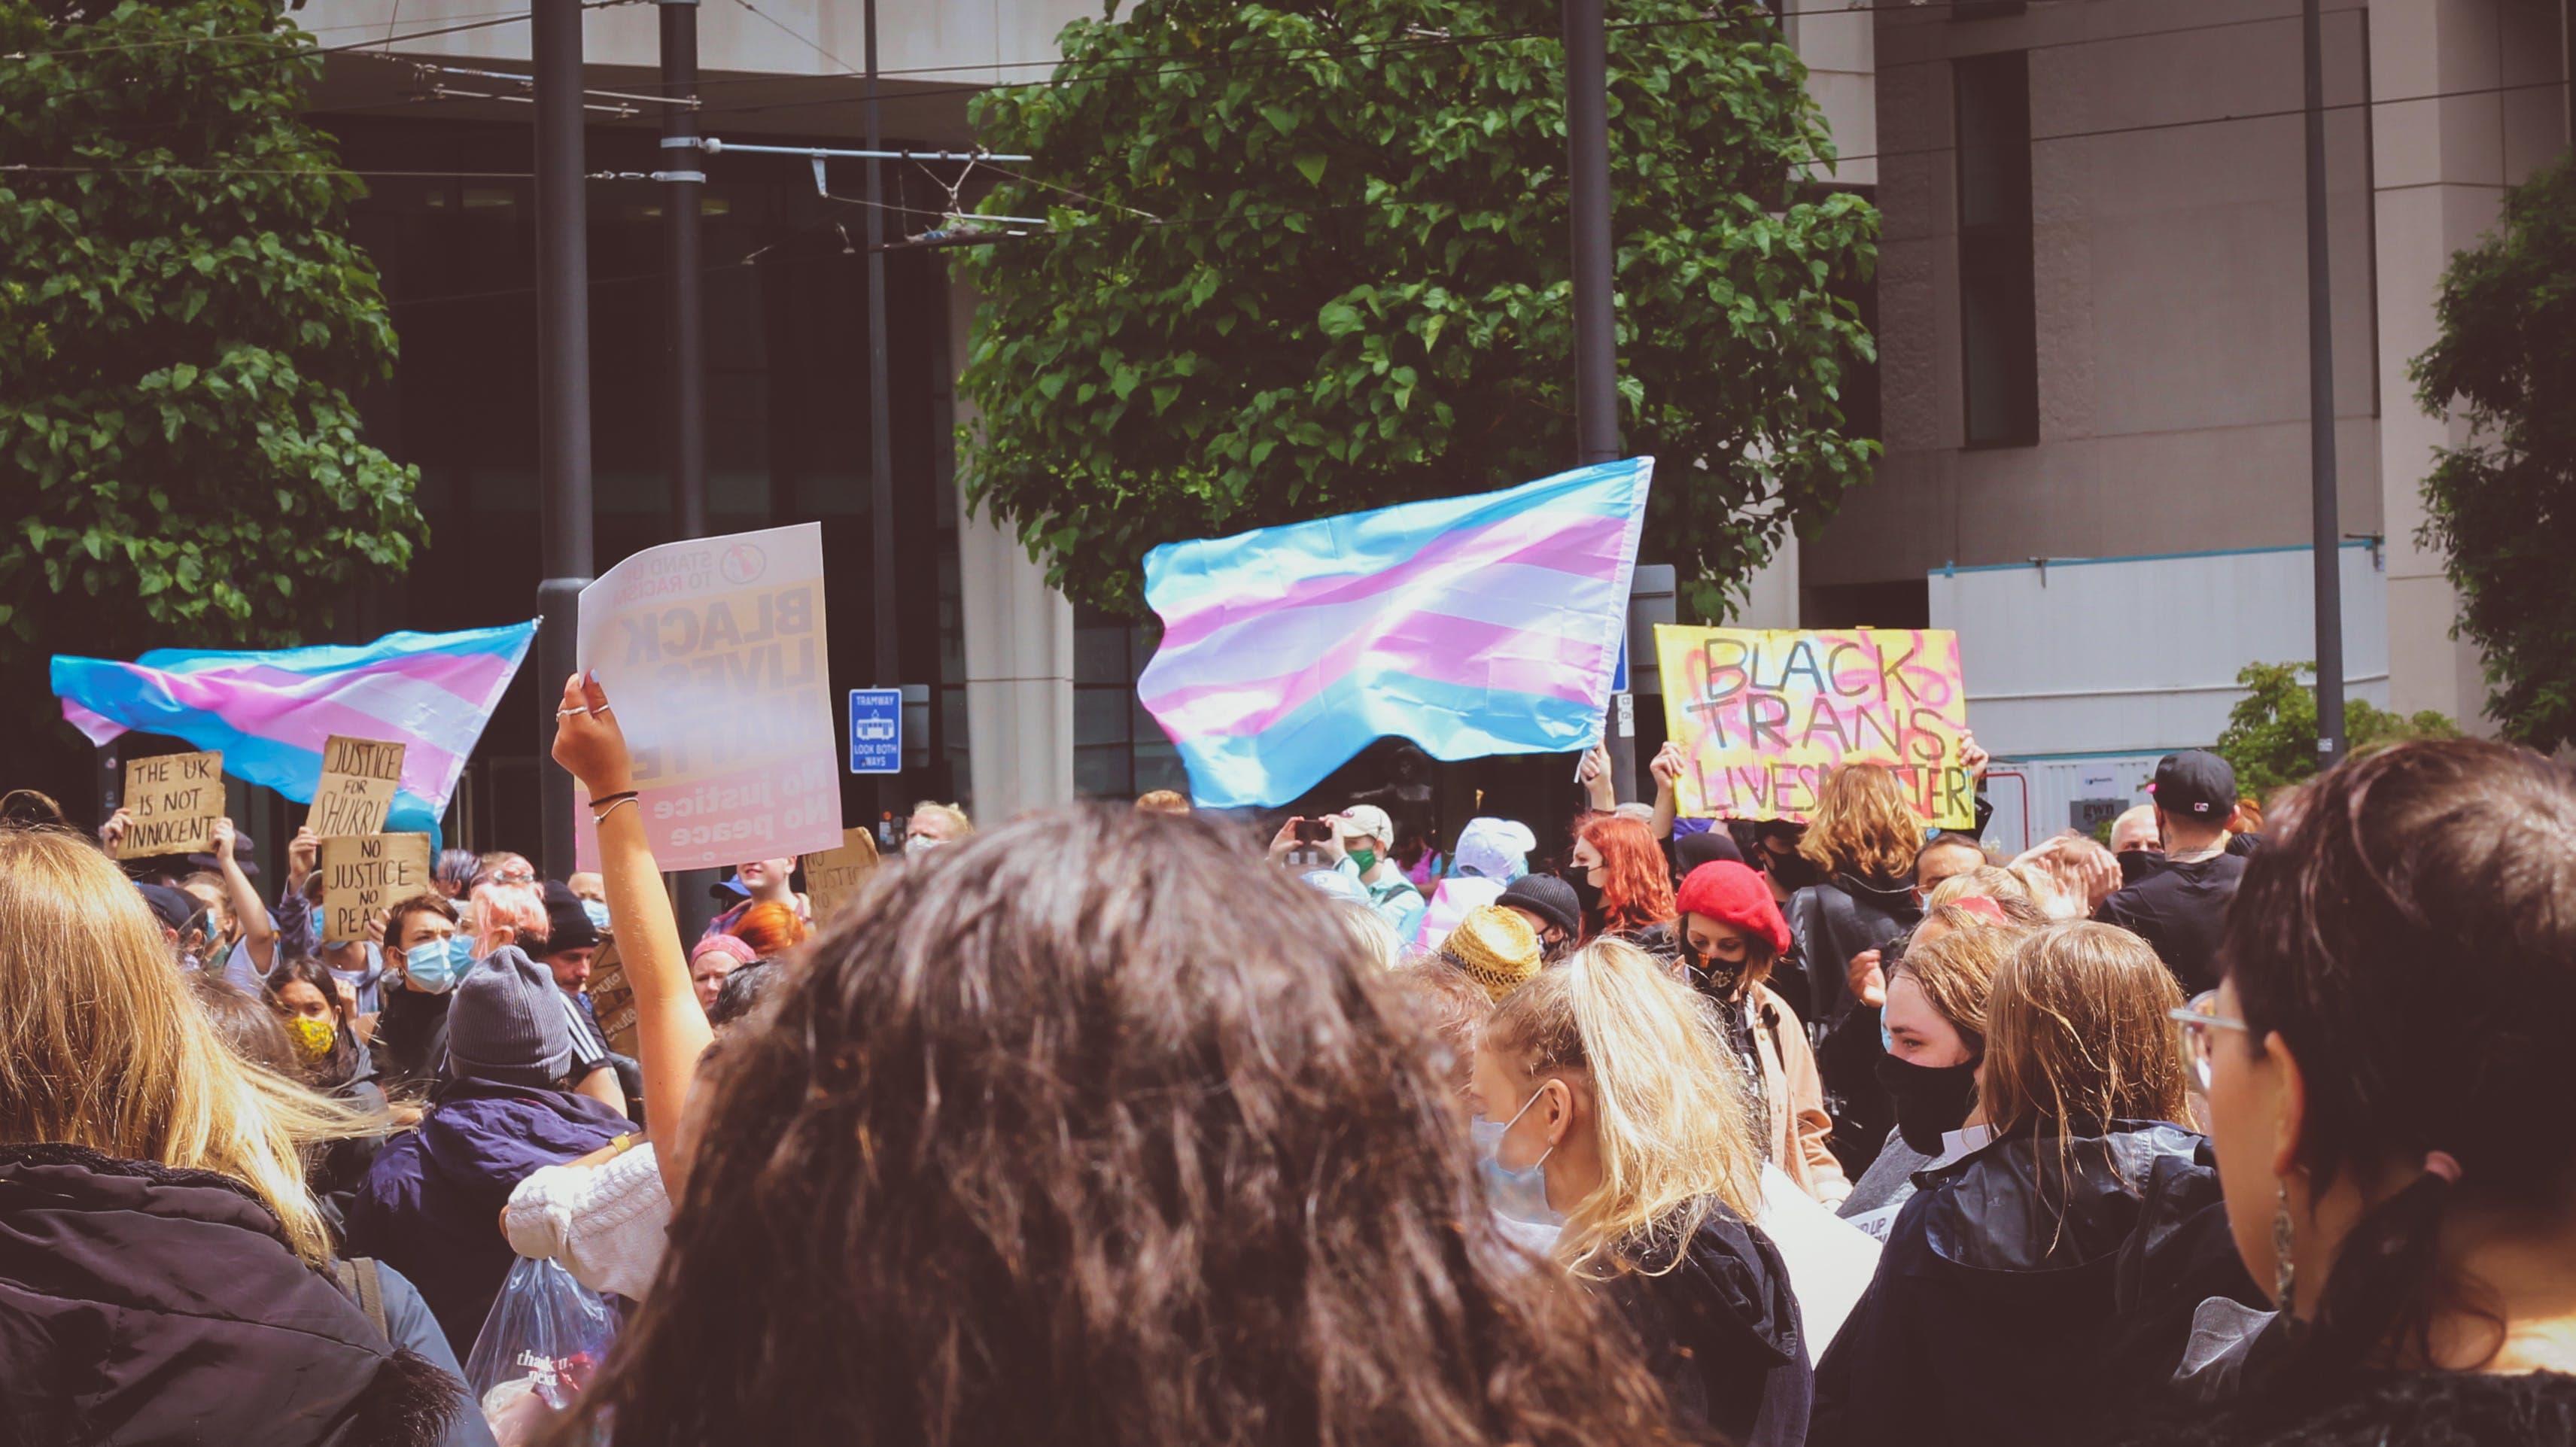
(172, 802)
(357, 789)
(1763, 715)
(364, 873)
(712, 653)
(836, 874)
(612, 1000)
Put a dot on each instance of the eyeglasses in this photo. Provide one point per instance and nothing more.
(2197, 1020)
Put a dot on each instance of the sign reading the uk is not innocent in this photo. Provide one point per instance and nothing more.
(712, 654)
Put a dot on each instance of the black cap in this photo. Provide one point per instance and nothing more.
(1548, 897)
(568, 925)
(1708, 846)
(2195, 784)
(172, 907)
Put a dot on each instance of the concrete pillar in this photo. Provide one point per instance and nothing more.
(2441, 167)
(1019, 651)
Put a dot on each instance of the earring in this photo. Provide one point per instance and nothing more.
(2285, 1271)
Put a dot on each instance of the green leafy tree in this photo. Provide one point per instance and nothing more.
(180, 322)
(2271, 735)
(2502, 506)
(1310, 257)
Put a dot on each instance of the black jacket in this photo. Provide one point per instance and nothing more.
(2409, 1409)
(145, 1305)
(411, 1036)
(1720, 1330)
(2181, 909)
(1832, 922)
(1994, 1319)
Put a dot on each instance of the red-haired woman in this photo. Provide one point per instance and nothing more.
(1625, 885)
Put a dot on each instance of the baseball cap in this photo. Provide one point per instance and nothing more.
(2195, 784)
(172, 907)
(1367, 821)
(1496, 849)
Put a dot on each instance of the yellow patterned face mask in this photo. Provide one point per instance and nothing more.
(313, 1038)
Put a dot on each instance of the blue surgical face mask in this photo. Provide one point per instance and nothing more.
(1520, 1194)
(433, 965)
(598, 913)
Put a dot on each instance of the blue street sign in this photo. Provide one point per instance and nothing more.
(1619, 678)
(876, 731)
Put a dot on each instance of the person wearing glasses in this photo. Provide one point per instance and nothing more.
(2005, 1296)
(2399, 1161)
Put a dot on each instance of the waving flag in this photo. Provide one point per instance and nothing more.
(271, 712)
(1470, 625)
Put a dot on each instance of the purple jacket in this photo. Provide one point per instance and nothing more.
(431, 1208)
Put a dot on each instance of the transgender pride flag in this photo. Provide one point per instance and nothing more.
(1470, 625)
(271, 712)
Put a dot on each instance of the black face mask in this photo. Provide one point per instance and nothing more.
(2137, 864)
(1586, 893)
(1792, 870)
(1718, 979)
(1928, 1100)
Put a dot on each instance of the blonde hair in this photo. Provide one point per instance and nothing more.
(1674, 1124)
(1956, 968)
(102, 1046)
(1370, 931)
(1986, 881)
(2078, 1034)
(1863, 823)
(949, 812)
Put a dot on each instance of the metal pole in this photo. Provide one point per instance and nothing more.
(1596, 354)
(683, 182)
(882, 594)
(2328, 531)
(563, 392)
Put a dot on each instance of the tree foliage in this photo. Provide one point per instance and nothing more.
(1308, 256)
(180, 322)
(2271, 735)
(2502, 506)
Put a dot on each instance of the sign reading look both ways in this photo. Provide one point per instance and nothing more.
(712, 654)
(1763, 715)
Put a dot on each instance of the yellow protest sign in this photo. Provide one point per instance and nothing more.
(1763, 715)
(364, 873)
(357, 789)
(171, 803)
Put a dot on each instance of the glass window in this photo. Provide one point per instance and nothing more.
(1998, 315)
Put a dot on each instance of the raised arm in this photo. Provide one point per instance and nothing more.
(671, 1031)
(256, 932)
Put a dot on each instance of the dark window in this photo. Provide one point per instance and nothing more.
(1998, 326)
(1119, 751)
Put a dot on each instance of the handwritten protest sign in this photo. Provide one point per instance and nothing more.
(364, 873)
(836, 874)
(357, 789)
(1763, 715)
(713, 656)
(612, 999)
(172, 802)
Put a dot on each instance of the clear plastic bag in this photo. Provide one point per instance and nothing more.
(545, 1338)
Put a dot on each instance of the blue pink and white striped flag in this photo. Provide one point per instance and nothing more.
(271, 712)
(1470, 625)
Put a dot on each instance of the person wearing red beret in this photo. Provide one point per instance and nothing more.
(1731, 934)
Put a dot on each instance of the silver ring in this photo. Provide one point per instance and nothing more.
(603, 708)
(569, 712)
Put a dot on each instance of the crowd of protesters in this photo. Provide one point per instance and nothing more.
(1100, 1126)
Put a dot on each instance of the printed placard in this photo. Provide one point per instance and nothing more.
(612, 999)
(359, 777)
(1763, 715)
(171, 803)
(364, 873)
(712, 654)
(834, 875)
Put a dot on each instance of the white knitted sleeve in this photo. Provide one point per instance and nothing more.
(605, 1223)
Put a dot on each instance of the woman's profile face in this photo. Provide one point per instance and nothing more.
(1918, 1034)
(1587, 857)
(304, 1001)
(2244, 1130)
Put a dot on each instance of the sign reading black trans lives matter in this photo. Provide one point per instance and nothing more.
(712, 654)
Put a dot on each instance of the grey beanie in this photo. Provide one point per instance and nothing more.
(508, 1023)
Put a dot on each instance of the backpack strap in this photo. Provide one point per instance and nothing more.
(360, 1281)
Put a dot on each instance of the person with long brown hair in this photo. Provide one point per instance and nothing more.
(1088, 1130)
(161, 1260)
(1611, 1079)
(1997, 1303)
(1862, 837)
(1624, 884)
(2385, 1066)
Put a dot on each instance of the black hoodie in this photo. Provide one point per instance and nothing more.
(1996, 1319)
(1720, 1331)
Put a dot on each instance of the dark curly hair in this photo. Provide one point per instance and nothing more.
(1089, 1130)
(2409, 927)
